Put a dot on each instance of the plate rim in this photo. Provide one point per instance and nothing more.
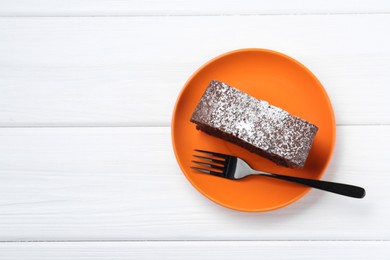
(264, 50)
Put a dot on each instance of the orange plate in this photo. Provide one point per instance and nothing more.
(283, 82)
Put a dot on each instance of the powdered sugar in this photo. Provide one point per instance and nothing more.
(255, 121)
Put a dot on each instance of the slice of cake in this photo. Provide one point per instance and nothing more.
(269, 131)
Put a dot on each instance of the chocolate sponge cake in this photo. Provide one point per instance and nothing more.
(269, 131)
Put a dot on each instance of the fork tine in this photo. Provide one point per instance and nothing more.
(210, 159)
(220, 155)
(207, 171)
(221, 168)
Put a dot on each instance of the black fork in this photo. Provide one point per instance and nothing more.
(234, 168)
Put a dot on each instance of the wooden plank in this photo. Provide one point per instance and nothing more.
(223, 250)
(175, 7)
(124, 184)
(129, 71)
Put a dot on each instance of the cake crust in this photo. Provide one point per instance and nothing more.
(269, 131)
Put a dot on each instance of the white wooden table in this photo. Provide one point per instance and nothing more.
(87, 90)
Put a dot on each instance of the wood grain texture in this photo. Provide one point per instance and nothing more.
(124, 184)
(122, 63)
(378, 250)
(128, 71)
(176, 7)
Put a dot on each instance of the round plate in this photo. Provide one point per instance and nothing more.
(283, 82)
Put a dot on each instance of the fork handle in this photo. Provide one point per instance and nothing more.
(339, 188)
